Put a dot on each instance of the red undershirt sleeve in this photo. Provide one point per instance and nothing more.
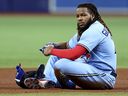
(71, 54)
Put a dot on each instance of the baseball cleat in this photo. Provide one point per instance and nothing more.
(33, 83)
(64, 81)
(40, 71)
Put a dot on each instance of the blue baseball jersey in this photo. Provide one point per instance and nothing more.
(97, 40)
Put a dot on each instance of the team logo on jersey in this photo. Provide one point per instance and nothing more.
(105, 32)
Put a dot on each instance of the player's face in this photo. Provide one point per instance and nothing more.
(83, 17)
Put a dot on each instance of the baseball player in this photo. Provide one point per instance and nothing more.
(88, 59)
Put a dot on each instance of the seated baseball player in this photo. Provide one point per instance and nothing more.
(88, 59)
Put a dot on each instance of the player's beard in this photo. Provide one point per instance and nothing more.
(86, 26)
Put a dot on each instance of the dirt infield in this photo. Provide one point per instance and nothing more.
(8, 85)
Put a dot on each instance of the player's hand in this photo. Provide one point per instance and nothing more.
(48, 44)
(51, 43)
(47, 50)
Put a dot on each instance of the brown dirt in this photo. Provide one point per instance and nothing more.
(8, 85)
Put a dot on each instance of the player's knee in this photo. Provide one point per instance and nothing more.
(61, 64)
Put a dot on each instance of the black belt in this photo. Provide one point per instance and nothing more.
(113, 74)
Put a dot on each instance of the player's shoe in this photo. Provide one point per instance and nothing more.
(65, 83)
(33, 83)
(40, 71)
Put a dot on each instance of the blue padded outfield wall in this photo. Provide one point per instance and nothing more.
(60, 6)
(108, 6)
(24, 6)
(99, 3)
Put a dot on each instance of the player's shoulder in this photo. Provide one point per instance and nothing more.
(100, 29)
(97, 25)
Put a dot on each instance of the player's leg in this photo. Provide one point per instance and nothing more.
(49, 68)
(50, 74)
(84, 75)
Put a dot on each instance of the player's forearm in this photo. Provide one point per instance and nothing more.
(62, 45)
(71, 54)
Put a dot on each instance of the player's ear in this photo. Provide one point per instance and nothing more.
(92, 17)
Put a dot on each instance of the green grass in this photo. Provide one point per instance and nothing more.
(22, 36)
(69, 94)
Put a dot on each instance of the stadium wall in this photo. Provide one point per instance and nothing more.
(104, 6)
(61, 6)
(24, 6)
